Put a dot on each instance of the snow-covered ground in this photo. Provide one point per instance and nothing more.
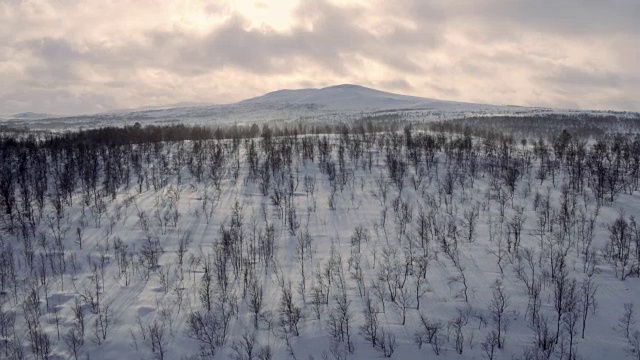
(331, 104)
(359, 234)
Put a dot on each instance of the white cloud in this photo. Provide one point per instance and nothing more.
(64, 56)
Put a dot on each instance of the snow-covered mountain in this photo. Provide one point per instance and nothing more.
(349, 97)
(32, 115)
(334, 103)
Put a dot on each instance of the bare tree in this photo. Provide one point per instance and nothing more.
(310, 186)
(80, 234)
(207, 329)
(627, 320)
(633, 349)
(102, 322)
(74, 341)
(255, 300)
(470, 220)
(339, 320)
(369, 329)
(429, 332)
(55, 310)
(183, 244)
(570, 320)
(78, 314)
(404, 302)
(618, 250)
(303, 253)
(387, 343)
(456, 325)
(515, 226)
(563, 287)
(290, 314)
(420, 288)
(489, 345)
(545, 338)
(156, 339)
(206, 289)
(380, 291)
(498, 306)
(587, 299)
(264, 353)
(244, 348)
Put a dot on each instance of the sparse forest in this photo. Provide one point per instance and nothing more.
(375, 240)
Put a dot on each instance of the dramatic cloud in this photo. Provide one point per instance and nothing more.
(63, 56)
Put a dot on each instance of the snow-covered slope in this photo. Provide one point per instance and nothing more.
(352, 98)
(310, 270)
(333, 103)
(31, 115)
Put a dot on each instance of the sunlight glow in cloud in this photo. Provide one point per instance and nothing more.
(63, 56)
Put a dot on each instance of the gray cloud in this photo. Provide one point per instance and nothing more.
(568, 17)
(397, 84)
(57, 101)
(566, 76)
(565, 17)
(57, 60)
(554, 53)
(332, 43)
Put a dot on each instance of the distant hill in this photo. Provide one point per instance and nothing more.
(344, 103)
(349, 97)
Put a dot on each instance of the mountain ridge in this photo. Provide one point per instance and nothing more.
(343, 102)
(348, 97)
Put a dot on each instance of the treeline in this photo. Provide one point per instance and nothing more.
(543, 125)
(139, 134)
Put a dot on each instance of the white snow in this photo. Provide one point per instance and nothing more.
(355, 205)
(333, 103)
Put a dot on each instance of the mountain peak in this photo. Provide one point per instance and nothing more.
(347, 87)
(342, 97)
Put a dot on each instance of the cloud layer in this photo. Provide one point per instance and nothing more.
(60, 57)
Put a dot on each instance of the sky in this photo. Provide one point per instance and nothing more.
(88, 56)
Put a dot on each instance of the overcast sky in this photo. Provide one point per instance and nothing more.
(69, 56)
